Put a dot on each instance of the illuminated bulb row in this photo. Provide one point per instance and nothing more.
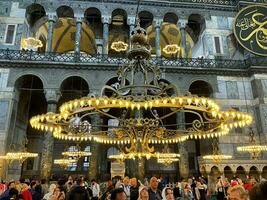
(217, 157)
(64, 161)
(252, 148)
(168, 141)
(76, 153)
(68, 107)
(167, 160)
(19, 155)
(167, 155)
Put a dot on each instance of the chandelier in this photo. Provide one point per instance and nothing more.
(76, 153)
(31, 43)
(141, 104)
(253, 148)
(217, 157)
(21, 156)
(64, 162)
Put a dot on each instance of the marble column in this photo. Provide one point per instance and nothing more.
(78, 35)
(183, 164)
(106, 21)
(182, 24)
(52, 97)
(131, 23)
(51, 21)
(157, 24)
(94, 158)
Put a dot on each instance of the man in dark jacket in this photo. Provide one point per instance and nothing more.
(154, 193)
(134, 190)
(78, 192)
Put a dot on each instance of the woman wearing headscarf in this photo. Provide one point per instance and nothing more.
(47, 196)
(143, 193)
(167, 194)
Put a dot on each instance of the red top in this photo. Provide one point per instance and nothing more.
(27, 195)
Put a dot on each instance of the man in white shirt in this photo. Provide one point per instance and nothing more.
(95, 189)
(126, 186)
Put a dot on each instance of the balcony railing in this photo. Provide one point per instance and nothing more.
(193, 63)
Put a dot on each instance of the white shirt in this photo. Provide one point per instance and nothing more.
(95, 190)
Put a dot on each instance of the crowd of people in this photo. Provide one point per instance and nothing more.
(133, 189)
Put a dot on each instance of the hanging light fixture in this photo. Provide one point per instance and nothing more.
(20, 156)
(217, 157)
(137, 106)
(76, 153)
(253, 148)
(64, 162)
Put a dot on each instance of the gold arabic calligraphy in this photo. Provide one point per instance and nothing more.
(251, 26)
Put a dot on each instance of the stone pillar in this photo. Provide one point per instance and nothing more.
(52, 97)
(51, 21)
(94, 159)
(182, 24)
(79, 20)
(131, 23)
(141, 169)
(157, 24)
(183, 164)
(106, 21)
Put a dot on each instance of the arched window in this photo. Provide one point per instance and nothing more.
(86, 159)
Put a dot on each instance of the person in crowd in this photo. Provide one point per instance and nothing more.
(118, 194)
(200, 190)
(177, 190)
(78, 192)
(118, 183)
(108, 190)
(259, 191)
(161, 184)
(13, 194)
(236, 192)
(220, 189)
(126, 186)
(154, 193)
(35, 191)
(187, 193)
(68, 187)
(58, 194)
(47, 196)
(26, 192)
(44, 187)
(10, 185)
(143, 193)
(95, 189)
(167, 194)
(134, 190)
(234, 181)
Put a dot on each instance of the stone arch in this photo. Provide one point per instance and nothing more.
(65, 12)
(73, 87)
(228, 172)
(197, 85)
(118, 30)
(17, 76)
(241, 172)
(31, 101)
(195, 25)
(34, 12)
(264, 172)
(254, 173)
(146, 18)
(93, 15)
(170, 17)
